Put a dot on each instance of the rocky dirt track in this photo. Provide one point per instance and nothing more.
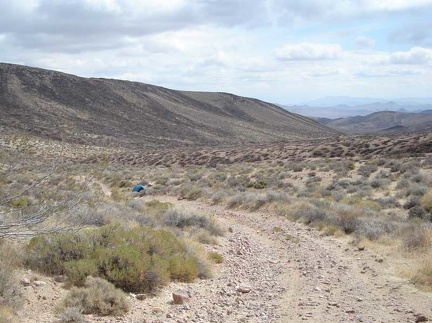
(274, 271)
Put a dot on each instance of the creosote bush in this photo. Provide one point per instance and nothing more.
(136, 260)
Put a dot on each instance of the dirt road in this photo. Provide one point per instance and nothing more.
(273, 271)
(297, 274)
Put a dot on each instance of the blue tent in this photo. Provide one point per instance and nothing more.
(139, 188)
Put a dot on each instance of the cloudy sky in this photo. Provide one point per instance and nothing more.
(282, 51)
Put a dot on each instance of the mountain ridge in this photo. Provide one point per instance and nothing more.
(111, 112)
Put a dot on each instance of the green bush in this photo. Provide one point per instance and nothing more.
(136, 260)
(97, 297)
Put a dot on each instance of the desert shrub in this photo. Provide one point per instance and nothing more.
(20, 202)
(417, 237)
(157, 205)
(137, 260)
(418, 178)
(218, 197)
(416, 190)
(338, 196)
(418, 212)
(191, 192)
(183, 268)
(273, 196)
(99, 297)
(136, 204)
(297, 168)
(235, 201)
(424, 274)
(411, 202)
(388, 202)
(383, 174)
(313, 180)
(379, 183)
(346, 217)
(343, 183)
(215, 257)
(259, 185)
(218, 177)
(71, 315)
(402, 184)
(181, 219)
(426, 201)
(251, 201)
(203, 236)
(381, 162)
(325, 192)
(312, 215)
(394, 166)
(238, 181)
(367, 170)
(374, 229)
(10, 289)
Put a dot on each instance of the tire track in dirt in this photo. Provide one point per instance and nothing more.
(324, 279)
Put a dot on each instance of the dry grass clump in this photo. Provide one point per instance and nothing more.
(97, 296)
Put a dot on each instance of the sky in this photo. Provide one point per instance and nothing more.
(281, 51)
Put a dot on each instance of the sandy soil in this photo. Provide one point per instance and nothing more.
(294, 274)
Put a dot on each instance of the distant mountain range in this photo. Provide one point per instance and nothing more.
(341, 107)
(382, 122)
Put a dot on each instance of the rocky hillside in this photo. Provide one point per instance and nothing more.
(112, 112)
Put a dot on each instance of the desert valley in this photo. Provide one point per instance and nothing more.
(251, 213)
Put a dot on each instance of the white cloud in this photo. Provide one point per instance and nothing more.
(388, 71)
(308, 51)
(227, 45)
(415, 56)
(394, 5)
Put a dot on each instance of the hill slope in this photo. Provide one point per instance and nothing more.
(113, 112)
